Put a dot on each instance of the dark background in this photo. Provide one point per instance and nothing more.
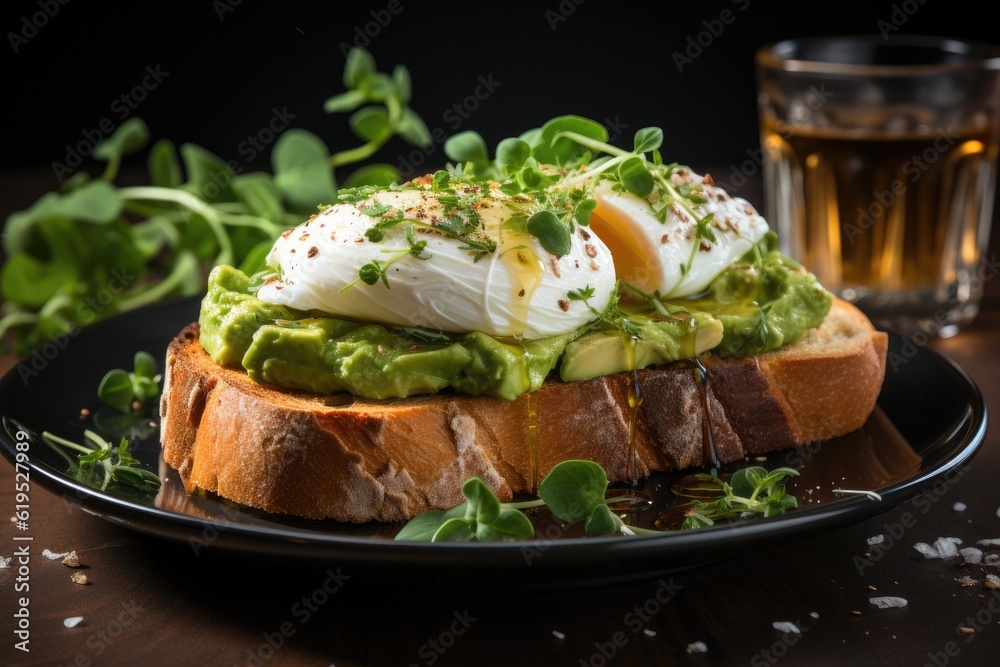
(228, 67)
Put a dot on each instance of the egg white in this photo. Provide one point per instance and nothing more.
(501, 294)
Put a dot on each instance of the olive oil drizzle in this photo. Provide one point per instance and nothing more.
(701, 377)
(532, 443)
(526, 271)
(634, 401)
(688, 343)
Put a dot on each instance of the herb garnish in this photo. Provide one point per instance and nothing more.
(613, 314)
(749, 491)
(577, 491)
(126, 391)
(376, 270)
(557, 168)
(459, 221)
(101, 463)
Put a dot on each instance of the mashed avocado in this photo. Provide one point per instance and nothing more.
(765, 301)
(759, 304)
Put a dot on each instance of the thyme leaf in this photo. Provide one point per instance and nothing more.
(99, 463)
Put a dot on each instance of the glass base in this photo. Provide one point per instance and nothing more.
(913, 313)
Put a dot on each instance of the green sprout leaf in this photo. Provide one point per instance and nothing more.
(483, 505)
(745, 480)
(145, 364)
(346, 101)
(422, 527)
(455, 530)
(602, 521)
(370, 123)
(648, 139)
(120, 389)
(551, 232)
(116, 390)
(164, 165)
(209, 177)
(553, 149)
(573, 489)
(583, 211)
(509, 525)
(481, 517)
(129, 137)
(260, 195)
(302, 171)
(634, 175)
(532, 177)
(359, 67)
(467, 146)
(412, 128)
(379, 175)
(404, 86)
(512, 153)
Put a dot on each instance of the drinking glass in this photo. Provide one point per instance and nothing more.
(880, 170)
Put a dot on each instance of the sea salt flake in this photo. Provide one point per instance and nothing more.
(991, 559)
(558, 635)
(994, 542)
(992, 581)
(947, 546)
(786, 626)
(697, 647)
(814, 614)
(878, 539)
(927, 550)
(887, 602)
(54, 556)
(72, 621)
(5, 562)
(960, 507)
(648, 632)
(971, 555)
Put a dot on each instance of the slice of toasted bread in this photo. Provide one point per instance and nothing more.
(359, 460)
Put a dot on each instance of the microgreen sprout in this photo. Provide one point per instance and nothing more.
(752, 490)
(576, 491)
(126, 391)
(160, 240)
(99, 463)
(613, 314)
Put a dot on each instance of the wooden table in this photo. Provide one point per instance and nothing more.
(157, 603)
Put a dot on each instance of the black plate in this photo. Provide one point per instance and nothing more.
(930, 421)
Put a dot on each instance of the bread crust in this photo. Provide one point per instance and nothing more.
(359, 460)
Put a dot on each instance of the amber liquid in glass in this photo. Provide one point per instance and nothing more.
(891, 221)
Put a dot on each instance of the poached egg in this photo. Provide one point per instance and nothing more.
(519, 290)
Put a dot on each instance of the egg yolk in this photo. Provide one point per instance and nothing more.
(635, 262)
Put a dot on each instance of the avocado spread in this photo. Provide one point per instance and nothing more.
(760, 303)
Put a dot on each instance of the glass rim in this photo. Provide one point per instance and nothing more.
(977, 55)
